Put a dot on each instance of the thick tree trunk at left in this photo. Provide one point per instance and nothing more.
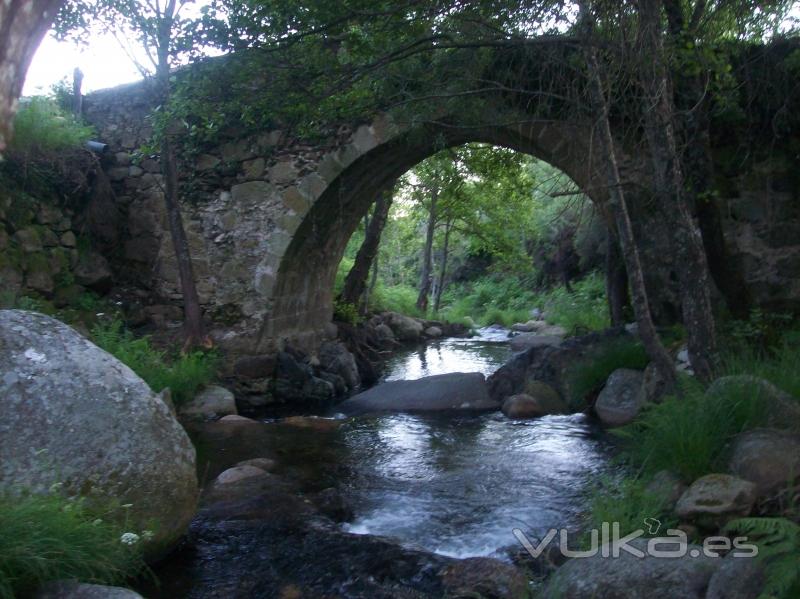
(23, 24)
(356, 282)
(616, 281)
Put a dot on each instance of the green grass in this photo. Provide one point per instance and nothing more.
(587, 377)
(397, 298)
(46, 538)
(688, 434)
(629, 503)
(184, 374)
(43, 130)
(780, 365)
(583, 309)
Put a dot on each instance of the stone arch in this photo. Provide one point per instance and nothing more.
(301, 277)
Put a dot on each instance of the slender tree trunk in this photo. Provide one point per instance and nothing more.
(427, 256)
(693, 275)
(616, 281)
(194, 330)
(356, 281)
(647, 332)
(23, 24)
(437, 298)
(373, 281)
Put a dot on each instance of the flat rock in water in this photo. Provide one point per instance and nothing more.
(77, 590)
(455, 391)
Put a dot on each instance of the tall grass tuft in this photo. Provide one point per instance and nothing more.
(47, 538)
(687, 435)
(184, 374)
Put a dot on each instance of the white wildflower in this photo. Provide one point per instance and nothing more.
(126, 506)
(129, 538)
(97, 522)
(147, 535)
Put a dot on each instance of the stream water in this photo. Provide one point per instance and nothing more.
(459, 485)
(454, 485)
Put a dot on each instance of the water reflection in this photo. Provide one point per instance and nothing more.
(458, 486)
(483, 353)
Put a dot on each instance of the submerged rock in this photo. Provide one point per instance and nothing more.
(455, 391)
(620, 400)
(74, 414)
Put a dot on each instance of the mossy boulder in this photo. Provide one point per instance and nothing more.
(74, 414)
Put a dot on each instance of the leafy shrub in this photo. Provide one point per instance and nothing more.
(396, 298)
(588, 376)
(583, 309)
(43, 131)
(345, 312)
(50, 537)
(184, 374)
(687, 435)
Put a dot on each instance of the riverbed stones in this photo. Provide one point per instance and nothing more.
(620, 400)
(73, 414)
(633, 577)
(666, 485)
(433, 332)
(770, 458)
(211, 401)
(738, 578)
(484, 577)
(717, 497)
(457, 391)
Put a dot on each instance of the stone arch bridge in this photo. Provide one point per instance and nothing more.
(268, 216)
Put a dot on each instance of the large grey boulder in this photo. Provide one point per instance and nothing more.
(770, 458)
(738, 578)
(633, 577)
(456, 391)
(74, 414)
(620, 400)
(404, 328)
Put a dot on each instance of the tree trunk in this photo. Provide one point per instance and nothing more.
(616, 281)
(194, 331)
(668, 183)
(427, 256)
(356, 282)
(437, 298)
(373, 281)
(647, 332)
(23, 24)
